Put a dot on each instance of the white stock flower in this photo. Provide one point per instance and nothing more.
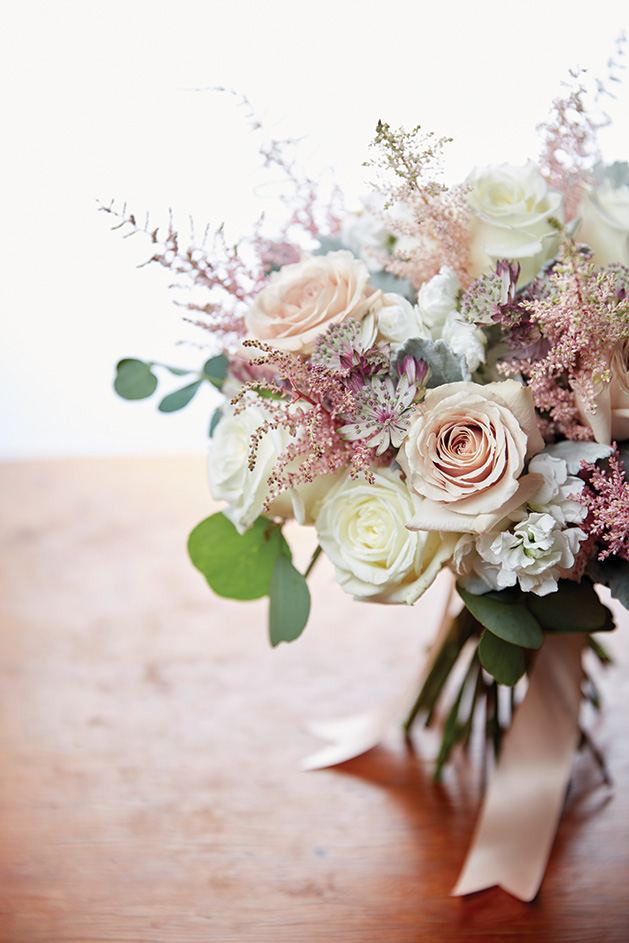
(398, 321)
(361, 529)
(438, 298)
(438, 306)
(511, 207)
(553, 495)
(535, 546)
(534, 554)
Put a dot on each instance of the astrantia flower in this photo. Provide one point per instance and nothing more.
(533, 553)
(347, 348)
(382, 414)
(383, 410)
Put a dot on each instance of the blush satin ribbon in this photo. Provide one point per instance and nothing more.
(521, 809)
(522, 806)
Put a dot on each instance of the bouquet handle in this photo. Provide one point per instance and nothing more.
(524, 799)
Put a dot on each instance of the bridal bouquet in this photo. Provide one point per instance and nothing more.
(438, 381)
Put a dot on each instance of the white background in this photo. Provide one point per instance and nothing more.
(99, 103)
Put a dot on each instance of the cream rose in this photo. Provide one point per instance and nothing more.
(605, 222)
(361, 529)
(245, 490)
(511, 208)
(303, 299)
(611, 420)
(464, 454)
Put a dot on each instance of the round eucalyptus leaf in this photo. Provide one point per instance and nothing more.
(510, 621)
(503, 661)
(179, 398)
(236, 565)
(134, 379)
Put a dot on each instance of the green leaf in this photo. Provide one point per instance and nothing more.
(575, 607)
(236, 565)
(214, 421)
(215, 370)
(289, 605)
(503, 661)
(510, 621)
(134, 379)
(612, 572)
(177, 371)
(179, 398)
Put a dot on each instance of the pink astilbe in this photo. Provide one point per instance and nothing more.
(569, 146)
(584, 315)
(435, 218)
(309, 212)
(228, 275)
(570, 149)
(606, 497)
(308, 400)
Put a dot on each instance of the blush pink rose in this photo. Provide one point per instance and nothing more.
(464, 455)
(303, 299)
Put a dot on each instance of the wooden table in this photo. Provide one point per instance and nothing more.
(150, 743)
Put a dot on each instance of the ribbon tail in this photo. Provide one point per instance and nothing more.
(352, 736)
(522, 806)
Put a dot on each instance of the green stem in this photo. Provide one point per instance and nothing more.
(313, 560)
(462, 627)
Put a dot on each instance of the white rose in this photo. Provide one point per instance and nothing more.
(605, 222)
(511, 207)
(245, 490)
(303, 299)
(398, 320)
(361, 528)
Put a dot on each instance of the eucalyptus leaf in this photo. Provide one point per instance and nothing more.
(235, 565)
(614, 573)
(575, 607)
(289, 603)
(134, 379)
(390, 283)
(215, 370)
(503, 661)
(328, 244)
(510, 621)
(179, 398)
(177, 371)
(214, 421)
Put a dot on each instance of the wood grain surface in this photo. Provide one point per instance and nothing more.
(150, 742)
